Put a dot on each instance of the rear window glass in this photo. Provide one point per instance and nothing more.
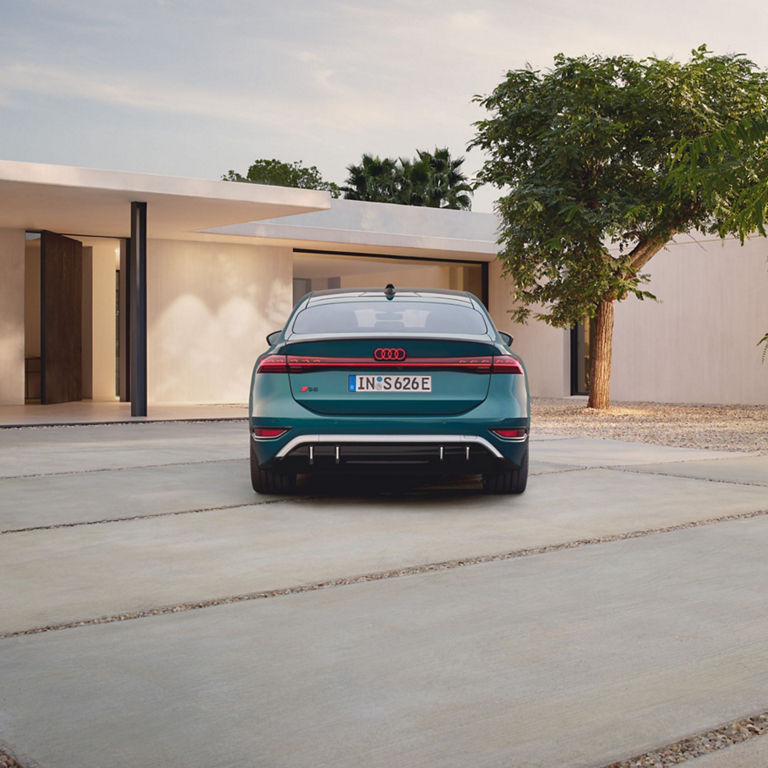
(399, 317)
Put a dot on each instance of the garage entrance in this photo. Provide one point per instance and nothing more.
(319, 270)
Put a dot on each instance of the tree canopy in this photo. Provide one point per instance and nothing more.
(280, 174)
(432, 179)
(584, 156)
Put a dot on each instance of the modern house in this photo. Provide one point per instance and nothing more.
(153, 289)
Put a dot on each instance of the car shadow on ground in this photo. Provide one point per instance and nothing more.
(384, 486)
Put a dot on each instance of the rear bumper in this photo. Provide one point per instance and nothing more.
(418, 453)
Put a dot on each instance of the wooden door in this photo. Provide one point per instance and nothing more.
(61, 347)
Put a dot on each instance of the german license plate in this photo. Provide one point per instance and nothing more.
(393, 383)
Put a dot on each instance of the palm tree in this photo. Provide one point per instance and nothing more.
(448, 186)
(375, 180)
(430, 179)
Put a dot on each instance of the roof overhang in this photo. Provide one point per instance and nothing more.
(351, 226)
(85, 201)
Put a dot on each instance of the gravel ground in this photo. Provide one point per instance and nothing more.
(699, 745)
(716, 427)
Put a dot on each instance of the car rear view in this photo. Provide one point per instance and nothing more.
(406, 381)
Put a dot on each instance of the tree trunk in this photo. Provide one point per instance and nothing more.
(600, 357)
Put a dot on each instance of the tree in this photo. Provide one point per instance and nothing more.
(279, 174)
(374, 180)
(584, 154)
(430, 179)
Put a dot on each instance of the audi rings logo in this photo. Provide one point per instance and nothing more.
(389, 353)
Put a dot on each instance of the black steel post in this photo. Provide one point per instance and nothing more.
(137, 292)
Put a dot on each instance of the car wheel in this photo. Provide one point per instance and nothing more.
(508, 481)
(268, 480)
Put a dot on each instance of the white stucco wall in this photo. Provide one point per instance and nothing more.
(545, 350)
(209, 308)
(11, 316)
(697, 344)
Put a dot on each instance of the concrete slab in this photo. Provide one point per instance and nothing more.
(575, 658)
(743, 469)
(28, 502)
(747, 754)
(85, 449)
(591, 452)
(90, 571)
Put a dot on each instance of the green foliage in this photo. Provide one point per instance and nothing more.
(729, 169)
(430, 179)
(279, 174)
(584, 155)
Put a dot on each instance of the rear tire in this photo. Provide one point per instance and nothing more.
(508, 480)
(268, 480)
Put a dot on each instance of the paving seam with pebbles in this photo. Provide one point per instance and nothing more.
(637, 471)
(411, 570)
(149, 516)
(10, 759)
(119, 469)
(66, 424)
(700, 744)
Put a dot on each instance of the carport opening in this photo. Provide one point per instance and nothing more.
(315, 270)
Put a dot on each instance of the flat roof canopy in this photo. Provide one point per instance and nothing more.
(83, 201)
(352, 226)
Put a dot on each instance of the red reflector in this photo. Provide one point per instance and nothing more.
(506, 364)
(269, 431)
(513, 432)
(273, 364)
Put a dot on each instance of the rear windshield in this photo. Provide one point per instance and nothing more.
(399, 317)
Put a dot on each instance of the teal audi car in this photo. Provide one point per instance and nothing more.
(398, 381)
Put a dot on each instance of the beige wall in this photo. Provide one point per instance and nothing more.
(32, 298)
(697, 344)
(437, 276)
(103, 320)
(11, 316)
(209, 307)
(545, 350)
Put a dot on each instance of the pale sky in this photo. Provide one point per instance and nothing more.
(196, 87)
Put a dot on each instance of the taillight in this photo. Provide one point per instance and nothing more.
(300, 364)
(266, 432)
(506, 364)
(512, 433)
(273, 364)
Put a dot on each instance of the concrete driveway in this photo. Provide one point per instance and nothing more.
(155, 611)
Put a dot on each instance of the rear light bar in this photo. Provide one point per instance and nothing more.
(302, 364)
(273, 364)
(506, 364)
(510, 433)
(262, 433)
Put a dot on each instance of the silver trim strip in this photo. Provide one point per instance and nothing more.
(435, 439)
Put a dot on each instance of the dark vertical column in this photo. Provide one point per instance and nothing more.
(137, 290)
(485, 286)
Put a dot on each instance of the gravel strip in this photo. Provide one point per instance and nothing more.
(699, 745)
(713, 427)
(412, 570)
